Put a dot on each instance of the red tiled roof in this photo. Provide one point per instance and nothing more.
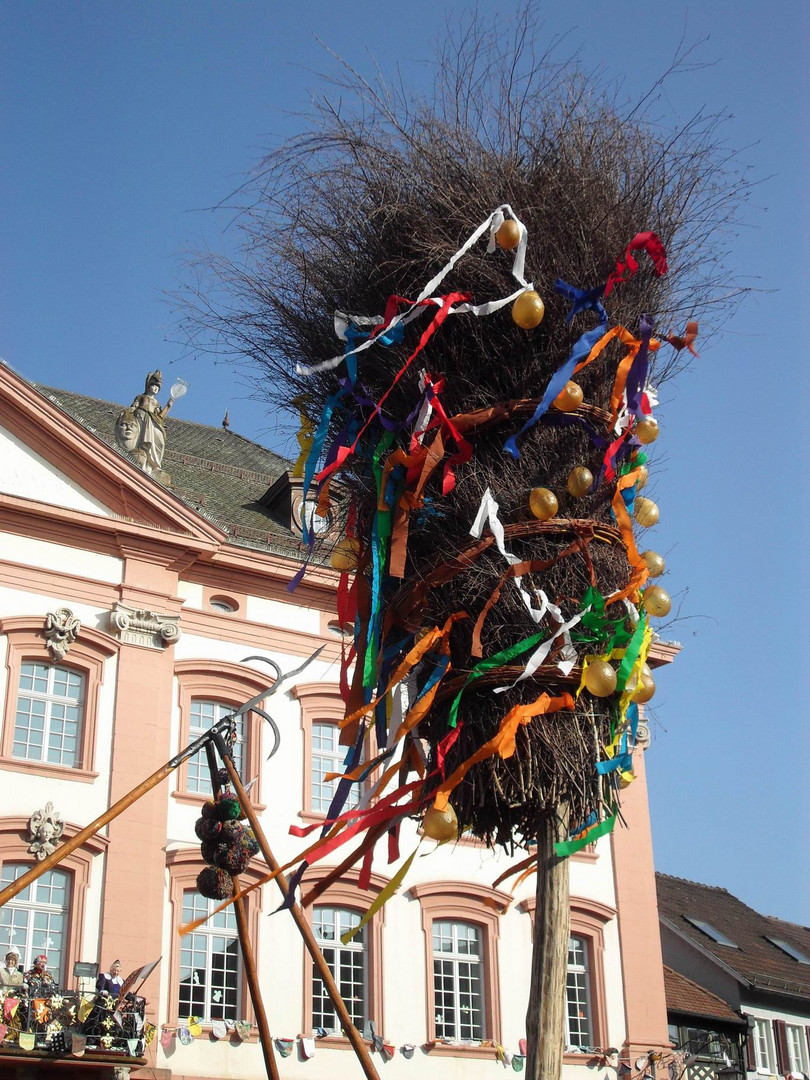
(685, 996)
(756, 959)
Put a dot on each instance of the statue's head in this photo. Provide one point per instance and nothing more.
(154, 381)
(127, 429)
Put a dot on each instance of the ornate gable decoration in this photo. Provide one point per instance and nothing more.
(137, 626)
(61, 630)
(44, 830)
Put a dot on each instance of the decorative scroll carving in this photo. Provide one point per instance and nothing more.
(61, 630)
(44, 830)
(143, 627)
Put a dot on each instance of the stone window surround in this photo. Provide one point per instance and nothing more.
(588, 920)
(346, 893)
(14, 849)
(464, 901)
(87, 655)
(320, 703)
(184, 864)
(233, 684)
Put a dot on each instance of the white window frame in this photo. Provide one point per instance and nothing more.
(797, 1048)
(466, 1029)
(52, 702)
(580, 975)
(198, 781)
(26, 912)
(339, 920)
(203, 940)
(328, 760)
(764, 1054)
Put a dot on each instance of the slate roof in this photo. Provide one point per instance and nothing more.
(686, 997)
(756, 960)
(218, 473)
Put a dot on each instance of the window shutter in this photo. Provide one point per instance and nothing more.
(750, 1050)
(780, 1039)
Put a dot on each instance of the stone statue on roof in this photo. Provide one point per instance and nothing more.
(141, 429)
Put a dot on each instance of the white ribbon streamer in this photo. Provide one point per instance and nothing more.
(492, 223)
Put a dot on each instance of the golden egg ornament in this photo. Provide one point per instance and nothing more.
(646, 430)
(579, 482)
(508, 236)
(569, 398)
(345, 555)
(656, 601)
(646, 513)
(600, 678)
(654, 562)
(543, 503)
(440, 824)
(642, 478)
(528, 310)
(645, 688)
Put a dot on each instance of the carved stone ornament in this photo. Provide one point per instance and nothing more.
(61, 630)
(44, 830)
(643, 734)
(142, 627)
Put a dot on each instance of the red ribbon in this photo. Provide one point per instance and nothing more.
(627, 266)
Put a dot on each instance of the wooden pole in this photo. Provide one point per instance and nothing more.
(251, 974)
(545, 1017)
(112, 812)
(359, 1046)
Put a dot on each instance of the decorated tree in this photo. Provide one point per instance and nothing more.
(471, 299)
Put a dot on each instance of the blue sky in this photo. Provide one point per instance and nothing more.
(121, 123)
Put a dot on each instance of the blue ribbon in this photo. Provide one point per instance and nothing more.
(637, 376)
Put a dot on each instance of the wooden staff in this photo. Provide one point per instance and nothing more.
(359, 1046)
(112, 812)
(270, 1063)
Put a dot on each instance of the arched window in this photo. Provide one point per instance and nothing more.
(207, 691)
(322, 710)
(355, 966)
(460, 921)
(36, 920)
(51, 710)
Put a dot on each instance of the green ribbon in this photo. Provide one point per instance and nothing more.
(483, 666)
(568, 847)
(631, 654)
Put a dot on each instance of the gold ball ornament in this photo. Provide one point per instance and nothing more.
(600, 678)
(646, 513)
(528, 310)
(543, 503)
(569, 398)
(579, 481)
(656, 601)
(508, 236)
(646, 430)
(645, 688)
(642, 478)
(345, 555)
(440, 824)
(655, 563)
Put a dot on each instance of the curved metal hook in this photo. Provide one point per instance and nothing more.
(253, 704)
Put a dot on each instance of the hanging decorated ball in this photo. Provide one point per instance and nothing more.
(543, 503)
(528, 310)
(645, 688)
(232, 857)
(654, 562)
(215, 884)
(209, 809)
(345, 555)
(508, 236)
(646, 513)
(580, 481)
(656, 601)
(642, 478)
(210, 851)
(646, 430)
(440, 824)
(569, 398)
(207, 828)
(600, 678)
(228, 808)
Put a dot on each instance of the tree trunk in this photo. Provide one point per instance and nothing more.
(545, 1017)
